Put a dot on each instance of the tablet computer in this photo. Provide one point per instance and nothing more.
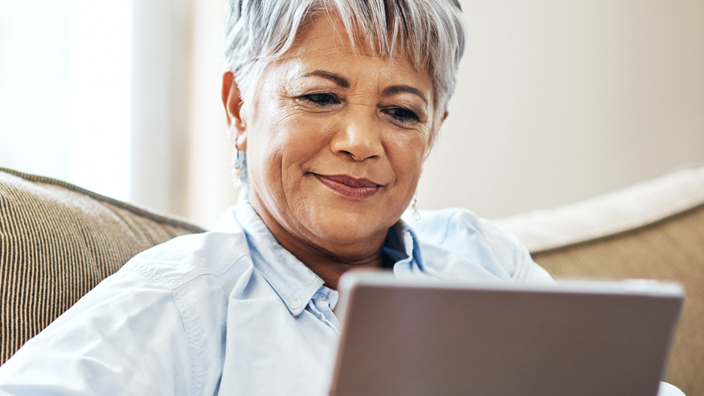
(430, 337)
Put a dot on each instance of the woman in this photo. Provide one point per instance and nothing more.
(334, 105)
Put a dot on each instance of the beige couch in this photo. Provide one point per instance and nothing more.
(651, 230)
(57, 241)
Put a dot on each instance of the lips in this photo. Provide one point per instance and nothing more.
(350, 187)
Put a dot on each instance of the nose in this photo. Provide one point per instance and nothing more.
(359, 138)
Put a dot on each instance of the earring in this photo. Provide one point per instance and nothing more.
(414, 206)
(236, 170)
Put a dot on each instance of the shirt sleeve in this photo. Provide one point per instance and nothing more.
(527, 270)
(125, 337)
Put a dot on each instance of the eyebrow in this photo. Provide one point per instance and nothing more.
(343, 82)
(394, 89)
(337, 79)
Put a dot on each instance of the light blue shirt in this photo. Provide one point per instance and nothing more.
(231, 312)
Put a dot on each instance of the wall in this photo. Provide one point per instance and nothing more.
(65, 89)
(563, 100)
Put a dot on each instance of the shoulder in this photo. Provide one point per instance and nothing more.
(435, 225)
(457, 226)
(154, 327)
(179, 261)
(460, 232)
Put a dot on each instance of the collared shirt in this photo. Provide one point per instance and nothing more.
(232, 312)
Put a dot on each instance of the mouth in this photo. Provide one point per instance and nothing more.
(350, 187)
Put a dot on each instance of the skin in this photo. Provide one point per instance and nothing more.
(322, 110)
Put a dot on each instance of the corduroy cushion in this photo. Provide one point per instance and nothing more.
(57, 242)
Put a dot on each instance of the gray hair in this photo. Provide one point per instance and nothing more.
(429, 33)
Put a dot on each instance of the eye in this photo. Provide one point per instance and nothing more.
(402, 114)
(321, 99)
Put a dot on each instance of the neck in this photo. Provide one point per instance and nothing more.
(328, 263)
(331, 268)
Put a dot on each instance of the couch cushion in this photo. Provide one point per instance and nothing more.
(671, 249)
(608, 214)
(57, 241)
(652, 230)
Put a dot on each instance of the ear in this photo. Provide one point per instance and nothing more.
(440, 121)
(437, 127)
(232, 100)
(444, 116)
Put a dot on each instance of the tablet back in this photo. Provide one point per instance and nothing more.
(438, 338)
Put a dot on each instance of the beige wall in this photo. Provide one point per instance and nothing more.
(557, 101)
(209, 190)
(180, 150)
(563, 100)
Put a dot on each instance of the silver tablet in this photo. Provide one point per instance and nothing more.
(426, 337)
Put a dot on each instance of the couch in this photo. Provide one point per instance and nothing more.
(652, 230)
(57, 241)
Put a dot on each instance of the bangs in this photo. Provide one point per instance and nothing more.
(427, 33)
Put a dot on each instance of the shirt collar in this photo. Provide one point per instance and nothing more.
(293, 281)
(402, 246)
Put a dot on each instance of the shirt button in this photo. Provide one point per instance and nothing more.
(296, 304)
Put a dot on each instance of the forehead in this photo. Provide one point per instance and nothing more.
(325, 41)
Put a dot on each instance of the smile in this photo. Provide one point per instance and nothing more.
(356, 189)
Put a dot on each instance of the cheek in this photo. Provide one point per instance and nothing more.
(266, 145)
(406, 153)
(284, 146)
(303, 136)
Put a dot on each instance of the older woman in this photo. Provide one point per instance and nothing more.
(332, 105)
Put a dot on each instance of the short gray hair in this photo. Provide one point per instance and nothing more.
(430, 33)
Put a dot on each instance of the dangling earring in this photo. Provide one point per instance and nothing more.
(237, 169)
(414, 206)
